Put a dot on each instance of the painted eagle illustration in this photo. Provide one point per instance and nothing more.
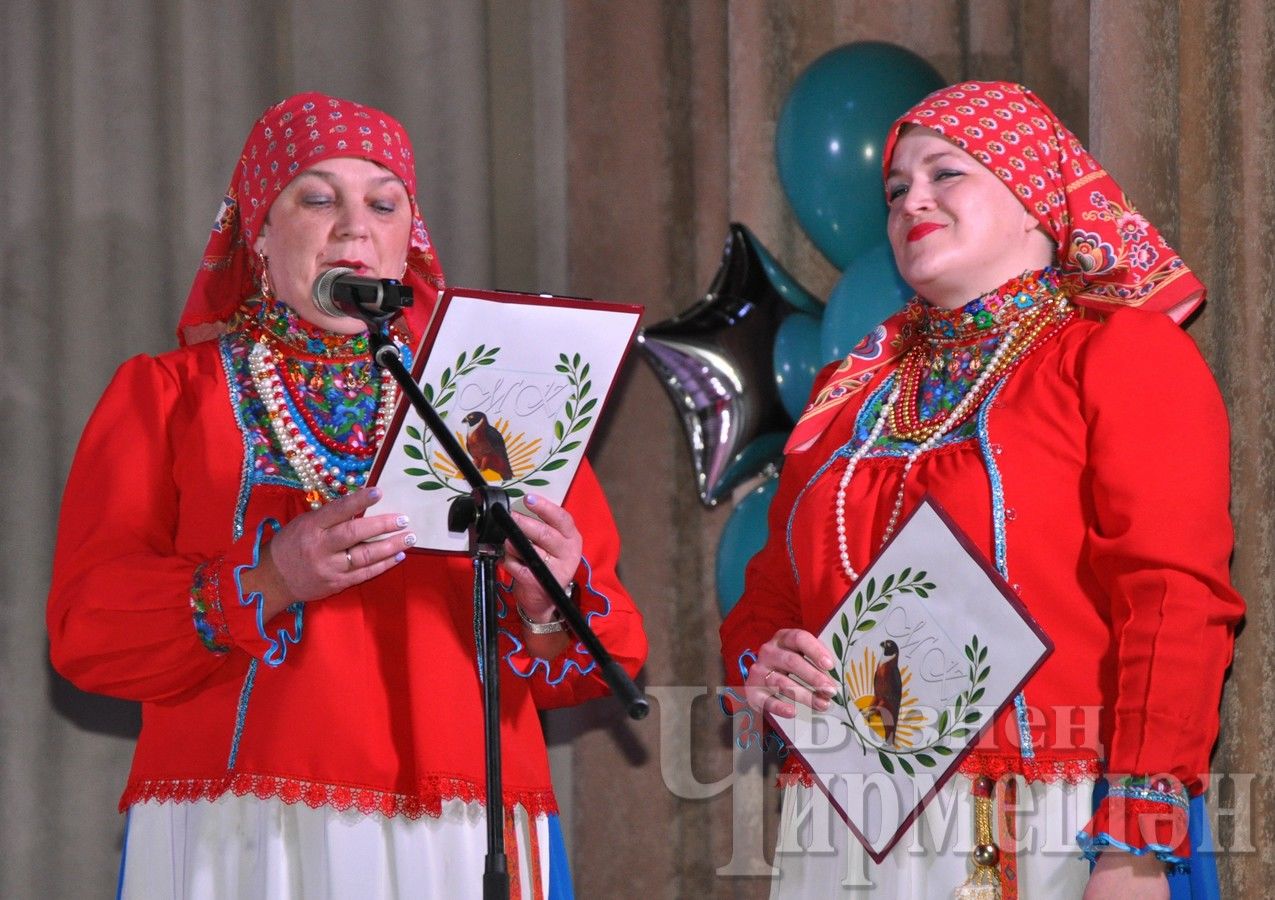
(887, 690)
(486, 445)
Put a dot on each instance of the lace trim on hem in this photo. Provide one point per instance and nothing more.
(434, 792)
(1091, 846)
(996, 766)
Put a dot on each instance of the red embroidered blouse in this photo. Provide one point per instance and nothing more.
(1111, 443)
(377, 707)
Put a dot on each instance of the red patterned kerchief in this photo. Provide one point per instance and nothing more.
(1110, 255)
(289, 138)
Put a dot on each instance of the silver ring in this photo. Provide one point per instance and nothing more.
(766, 680)
(349, 561)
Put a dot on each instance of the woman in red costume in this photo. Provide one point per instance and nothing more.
(312, 718)
(1040, 389)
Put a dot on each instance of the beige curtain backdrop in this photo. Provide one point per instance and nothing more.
(599, 149)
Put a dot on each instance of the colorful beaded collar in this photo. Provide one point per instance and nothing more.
(987, 315)
(279, 323)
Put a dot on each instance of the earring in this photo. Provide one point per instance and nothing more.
(267, 292)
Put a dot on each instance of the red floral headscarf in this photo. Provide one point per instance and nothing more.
(1108, 254)
(290, 137)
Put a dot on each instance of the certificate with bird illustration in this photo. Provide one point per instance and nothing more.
(928, 647)
(521, 381)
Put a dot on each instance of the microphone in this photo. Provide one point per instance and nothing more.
(339, 292)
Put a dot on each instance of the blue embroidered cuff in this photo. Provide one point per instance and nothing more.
(1091, 846)
(1141, 815)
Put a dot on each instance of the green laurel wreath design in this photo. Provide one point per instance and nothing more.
(954, 723)
(578, 413)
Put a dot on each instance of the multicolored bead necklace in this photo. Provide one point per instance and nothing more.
(1025, 312)
(293, 366)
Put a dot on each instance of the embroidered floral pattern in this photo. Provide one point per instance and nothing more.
(205, 605)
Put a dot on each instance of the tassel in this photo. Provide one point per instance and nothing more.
(985, 882)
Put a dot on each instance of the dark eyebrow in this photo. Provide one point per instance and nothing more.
(331, 177)
(925, 161)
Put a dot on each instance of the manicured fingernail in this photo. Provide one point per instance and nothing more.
(532, 500)
(400, 556)
(374, 493)
(821, 704)
(409, 540)
(401, 521)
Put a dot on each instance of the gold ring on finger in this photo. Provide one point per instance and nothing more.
(349, 561)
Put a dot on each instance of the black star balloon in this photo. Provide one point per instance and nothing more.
(715, 360)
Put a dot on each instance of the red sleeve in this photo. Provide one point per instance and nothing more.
(125, 610)
(574, 676)
(1160, 546)
(770, 600)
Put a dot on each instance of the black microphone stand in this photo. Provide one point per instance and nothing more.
(485, 514)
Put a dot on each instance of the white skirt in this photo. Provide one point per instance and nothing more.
(245, 848)
(817, 856)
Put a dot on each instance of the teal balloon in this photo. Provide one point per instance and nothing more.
(798, 358)
(830, 137)
(743, 536)
(868, 292)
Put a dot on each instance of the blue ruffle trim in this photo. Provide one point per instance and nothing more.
(569, 665)
(1092, 846)
(749, 731)
(278, 649)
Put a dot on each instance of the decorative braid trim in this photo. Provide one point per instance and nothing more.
(433, 793)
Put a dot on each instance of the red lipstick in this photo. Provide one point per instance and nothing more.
(916, 232)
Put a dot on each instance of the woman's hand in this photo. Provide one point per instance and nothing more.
(554, 534)
(1129, 877)
(791, 668)
(322, 552)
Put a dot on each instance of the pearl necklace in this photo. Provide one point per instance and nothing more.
(1008, 353)
(320, 481)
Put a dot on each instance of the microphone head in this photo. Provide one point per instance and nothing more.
(322, 291)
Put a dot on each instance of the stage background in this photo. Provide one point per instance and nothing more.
(591, 148)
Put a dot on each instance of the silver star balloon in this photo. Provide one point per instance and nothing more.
(715, 361)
